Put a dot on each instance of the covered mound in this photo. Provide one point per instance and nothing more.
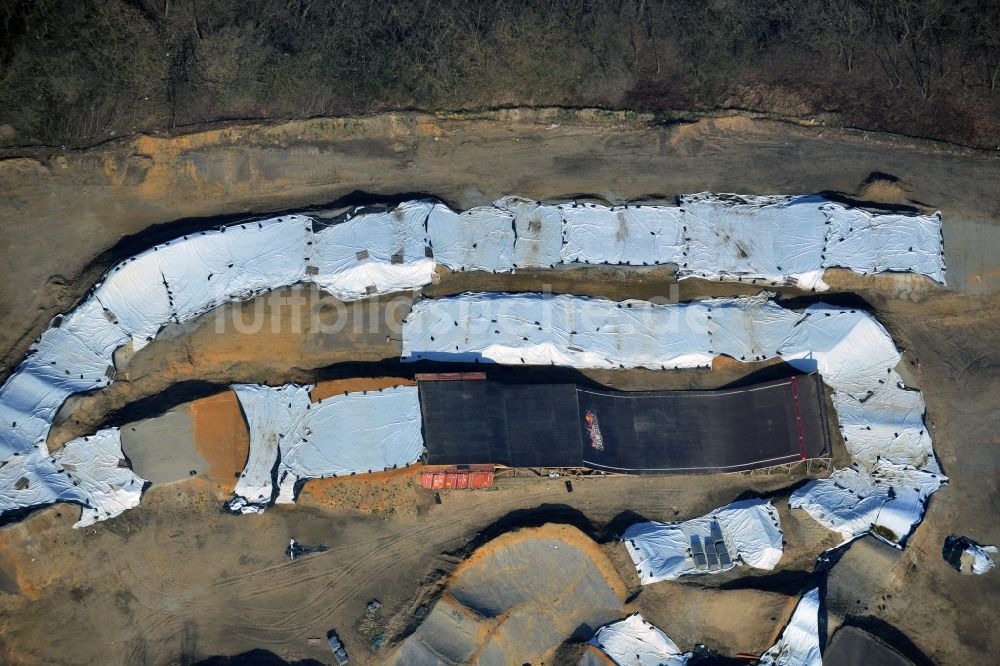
(635, 642)
(293, 438)
(747, 531)
(799, 644)
(517, 599)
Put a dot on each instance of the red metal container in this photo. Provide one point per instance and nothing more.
(454, 478)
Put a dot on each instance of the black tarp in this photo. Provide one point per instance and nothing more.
(705, 431)
(686, 432)
(851, 646)
(519, 425)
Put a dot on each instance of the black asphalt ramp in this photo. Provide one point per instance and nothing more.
(641, 432)
(703, 431)
(483, 422)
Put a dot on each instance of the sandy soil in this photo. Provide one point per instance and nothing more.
(177, 580)
(517, 598)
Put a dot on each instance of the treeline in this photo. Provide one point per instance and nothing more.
(77, 71)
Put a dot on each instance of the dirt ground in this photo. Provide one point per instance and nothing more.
(177, 580)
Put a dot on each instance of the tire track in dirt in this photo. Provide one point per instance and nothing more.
(380, 554)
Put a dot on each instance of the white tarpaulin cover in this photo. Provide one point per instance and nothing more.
(981, 560)
(635, 642)
(538, 232)
(868, 243)
(480, 239)
(385, 249)
(799, 642)
(631, 235)
(888, 499)
(751, 530)
(366, 431)
(184, 278)
(91, 471)
(777, 239)
(271, 414)
(770, 238)
(881, 419)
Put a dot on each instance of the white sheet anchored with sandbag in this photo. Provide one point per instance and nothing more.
(74, 355)
(480, 239)
(184, 278)
(97, 463)
(360, 432)
(293, 439)
(749, 532)
(633, 235)
(877, 243)
(773, 240)
(373, 251)
(635, 642)
(234, 263)
(799, 642)
(91, 471)
(881, 418)
(538, 232)
(562, 330)
(373, 278)
(888, 424)
(596, 333)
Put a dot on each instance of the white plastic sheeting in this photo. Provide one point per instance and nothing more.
(375, 278)
(967, 556)
(367, 431)
(881, 419)
(91, 471)
(592, 333)
(631, 235)
(480, 239)
(271, 414)
(98, 464)
(751, 530)
(888, 499)
(538, 232)
(799, 642)
(868, 243)
(981, 560)
(184, 278)
(775, 239)
(635, 642)
(295, 439)
(74, 355)
(381, 251)
(771, 238)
